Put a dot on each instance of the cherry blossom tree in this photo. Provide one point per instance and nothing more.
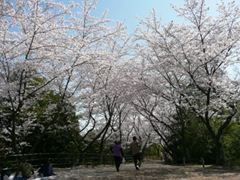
(30, 40)
(191, 59)
(104, 106)
(47, 45)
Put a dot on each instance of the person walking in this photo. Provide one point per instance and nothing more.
(117, 154)
(46, 169)
(135, 147)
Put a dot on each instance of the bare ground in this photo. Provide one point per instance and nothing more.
(149, 171)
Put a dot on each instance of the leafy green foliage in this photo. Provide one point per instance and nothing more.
(154, 150)
(57, 129)
(232, 144)
(190, 140)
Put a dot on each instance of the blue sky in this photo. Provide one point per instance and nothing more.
(130, 11)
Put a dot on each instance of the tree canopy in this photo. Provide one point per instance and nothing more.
(72, 82)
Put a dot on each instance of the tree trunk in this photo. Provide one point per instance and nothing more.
(183, 142)
(13, 134)
(220, 159)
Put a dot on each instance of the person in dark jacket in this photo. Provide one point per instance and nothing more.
(46, 170)
(136, 152)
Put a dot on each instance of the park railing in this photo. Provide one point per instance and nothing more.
(59, 159)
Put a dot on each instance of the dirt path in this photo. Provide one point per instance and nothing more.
(149, 171)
